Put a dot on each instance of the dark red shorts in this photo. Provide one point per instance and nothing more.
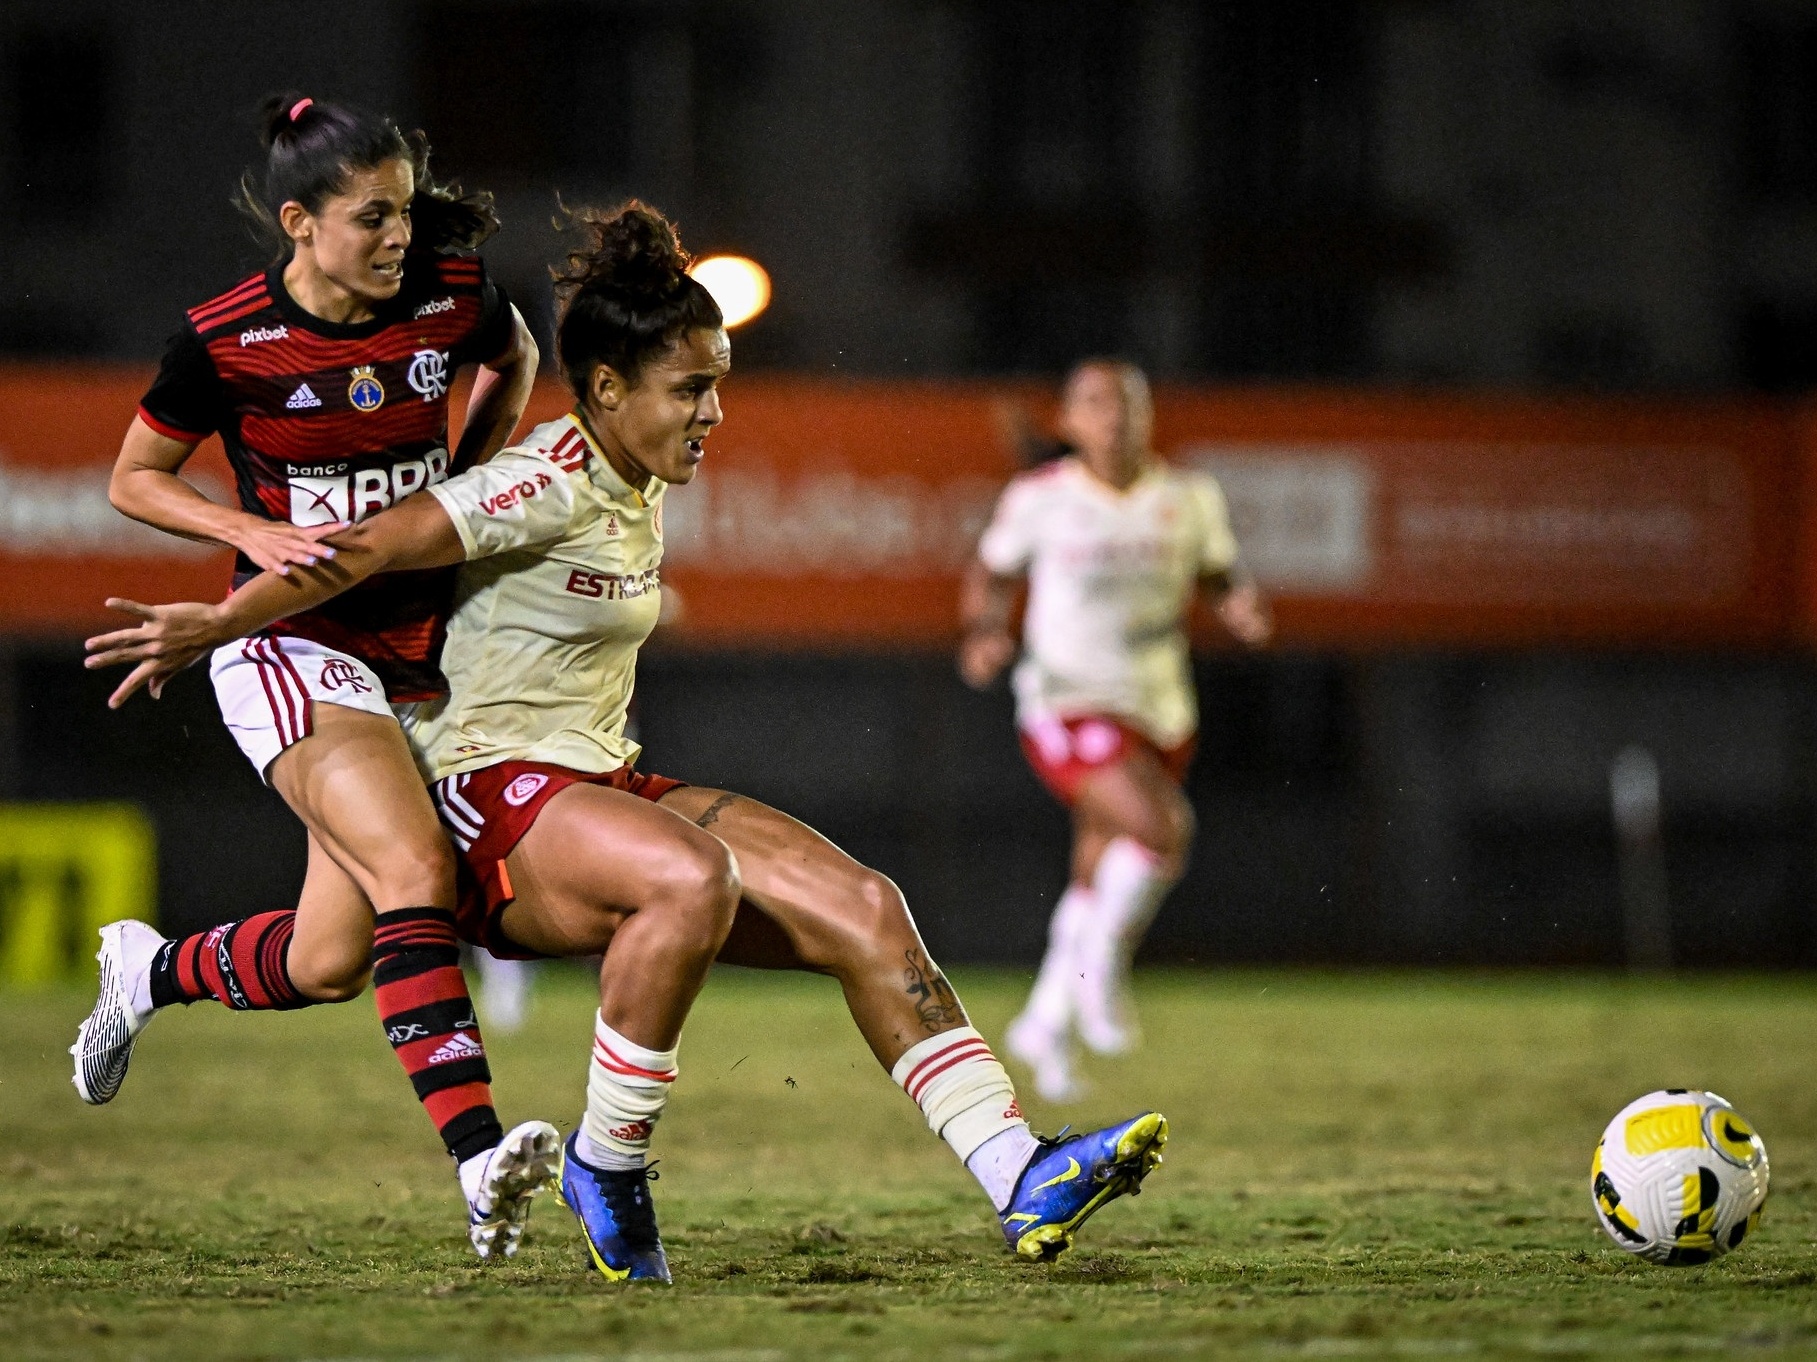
(488, 811)
(1065, 751)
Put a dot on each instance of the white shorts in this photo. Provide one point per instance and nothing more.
(268, 686)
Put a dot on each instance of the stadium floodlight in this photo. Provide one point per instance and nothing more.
(739, 285)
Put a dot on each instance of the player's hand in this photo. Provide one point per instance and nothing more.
(168, 639)
(984, 654)
(1246, 615)
(277, 545)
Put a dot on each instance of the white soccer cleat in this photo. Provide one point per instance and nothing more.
(501, 1183)
(1048, 1056)
(123, 1007)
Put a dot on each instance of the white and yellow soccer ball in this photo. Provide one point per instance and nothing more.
(1679, 1177)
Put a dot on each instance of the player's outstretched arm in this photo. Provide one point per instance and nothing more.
(146, 487)
(416, 533)
(986, 602)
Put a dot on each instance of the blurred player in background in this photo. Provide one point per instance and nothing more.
(570, 849)
(326, 377)
(1114, 546)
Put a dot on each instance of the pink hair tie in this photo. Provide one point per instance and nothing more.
(296, 110)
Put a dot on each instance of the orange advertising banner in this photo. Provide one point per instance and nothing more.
(841, 513)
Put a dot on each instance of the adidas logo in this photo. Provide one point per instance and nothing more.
(302, 398)
(458, 1046)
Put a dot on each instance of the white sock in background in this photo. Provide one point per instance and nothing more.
(504, 990)
(627, 1088)
(1127, 889)
(1049, 1010)
(970, 1103)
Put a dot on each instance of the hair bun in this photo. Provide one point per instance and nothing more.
(632, 252)
(275, 120)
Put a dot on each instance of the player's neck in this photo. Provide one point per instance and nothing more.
(635, 475)
(1120, 473)
(320, 296)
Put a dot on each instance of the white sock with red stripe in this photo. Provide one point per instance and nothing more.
(627, 1088)
(1127, 889)
(1129, 886)
(1049, 1010)
(970, 1103)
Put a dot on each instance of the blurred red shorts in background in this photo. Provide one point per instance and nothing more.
(1065, 751)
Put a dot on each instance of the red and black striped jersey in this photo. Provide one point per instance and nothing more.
(327, 421)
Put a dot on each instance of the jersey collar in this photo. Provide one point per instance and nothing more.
(617, 483)
(387, 313)
(1101, 488)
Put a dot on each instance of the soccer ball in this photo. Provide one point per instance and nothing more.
(1679, 1177)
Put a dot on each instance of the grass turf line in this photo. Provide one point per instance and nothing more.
(1360, 1165)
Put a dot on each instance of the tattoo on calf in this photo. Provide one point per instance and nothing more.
(711, 816)
(935, 1002)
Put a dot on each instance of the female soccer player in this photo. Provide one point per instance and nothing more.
(1113, 544)
(326, 377)
(571, 849)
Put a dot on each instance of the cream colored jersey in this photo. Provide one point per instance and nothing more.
(560, 590)
(1111, 577)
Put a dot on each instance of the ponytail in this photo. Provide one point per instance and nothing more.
(313, 146)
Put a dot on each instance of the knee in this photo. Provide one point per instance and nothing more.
(332, 977)
(700, 889)
(876, 921)
(1169, 829)
(418, 871)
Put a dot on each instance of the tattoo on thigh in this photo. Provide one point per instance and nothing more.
(935, 1002)
(711, 816)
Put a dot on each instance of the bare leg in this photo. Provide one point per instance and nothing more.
(1133, 831)
(808, 905)
(1133, 798)
(604, 871)
(330, 956)
(353, 784)
(609, 874)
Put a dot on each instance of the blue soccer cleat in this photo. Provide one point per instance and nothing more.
(1068, 1180)
(616, 1214)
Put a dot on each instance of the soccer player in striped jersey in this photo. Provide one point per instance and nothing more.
(1114, 545)
(326, 377)
(571, 849)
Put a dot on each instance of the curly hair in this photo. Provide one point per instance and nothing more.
(626, 295)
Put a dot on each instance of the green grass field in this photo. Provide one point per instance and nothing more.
(1360, 1166)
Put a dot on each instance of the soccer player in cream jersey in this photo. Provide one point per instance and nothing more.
(572, 851)
(1114, 545)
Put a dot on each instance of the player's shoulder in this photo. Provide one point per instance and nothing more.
(560, 442)
(1054, 477)
(1187, 481)
(232, 310)
(431, 272)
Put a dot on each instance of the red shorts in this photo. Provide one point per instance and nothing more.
(1065, 751)
(488, 811)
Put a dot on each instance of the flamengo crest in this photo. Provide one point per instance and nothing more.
(428, 374)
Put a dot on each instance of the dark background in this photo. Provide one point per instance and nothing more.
(1610, 194)
(1591, 196)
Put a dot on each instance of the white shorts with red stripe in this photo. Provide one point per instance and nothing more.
(268, 686)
